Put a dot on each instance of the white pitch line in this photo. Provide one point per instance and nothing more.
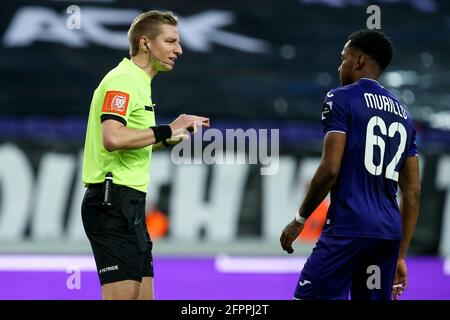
(447, 266)
(223, 263)
(46, 263)
(227, 264)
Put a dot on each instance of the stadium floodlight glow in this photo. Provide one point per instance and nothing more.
(400, 78)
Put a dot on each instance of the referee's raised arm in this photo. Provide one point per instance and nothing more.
(116, 136)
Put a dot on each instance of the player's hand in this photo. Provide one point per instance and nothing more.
(400, 279)
(187, 124)
(289, 234)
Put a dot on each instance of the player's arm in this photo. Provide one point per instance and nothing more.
(326, 174)
(322, 182)
(116, 136)
(409, 183)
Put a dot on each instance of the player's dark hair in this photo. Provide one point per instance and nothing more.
(373, 43)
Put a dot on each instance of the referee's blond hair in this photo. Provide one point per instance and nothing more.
(147, 24)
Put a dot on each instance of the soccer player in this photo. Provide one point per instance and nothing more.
(121, 134)
(369, 149)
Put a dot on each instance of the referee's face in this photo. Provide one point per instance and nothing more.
(166, 48)
(345, 69)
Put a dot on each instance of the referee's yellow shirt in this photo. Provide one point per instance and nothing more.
(124, 94)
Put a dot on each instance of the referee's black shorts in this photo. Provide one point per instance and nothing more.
(118, 233)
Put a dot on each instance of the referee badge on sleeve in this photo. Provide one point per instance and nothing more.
(116, 102)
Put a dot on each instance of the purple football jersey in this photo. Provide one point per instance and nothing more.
(380, 136)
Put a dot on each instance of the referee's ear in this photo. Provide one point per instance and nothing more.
(143, 44)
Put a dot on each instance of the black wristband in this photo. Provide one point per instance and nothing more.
(162, 132)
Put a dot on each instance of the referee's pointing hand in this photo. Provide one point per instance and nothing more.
(183, 126)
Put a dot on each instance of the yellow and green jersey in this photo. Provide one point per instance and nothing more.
(124, 95)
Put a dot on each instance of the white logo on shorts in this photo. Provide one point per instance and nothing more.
(304, 282)
(112, 268)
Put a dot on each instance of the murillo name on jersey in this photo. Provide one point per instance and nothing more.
(380, 102)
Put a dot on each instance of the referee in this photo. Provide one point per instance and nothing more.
(121, 134)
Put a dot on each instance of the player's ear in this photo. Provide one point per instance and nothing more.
(360, 61)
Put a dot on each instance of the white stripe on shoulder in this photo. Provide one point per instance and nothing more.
(336, 131)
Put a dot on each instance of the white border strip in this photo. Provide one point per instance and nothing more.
(46, 263)
(227, 264)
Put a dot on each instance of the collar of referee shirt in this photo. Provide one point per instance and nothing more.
(138, 70)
